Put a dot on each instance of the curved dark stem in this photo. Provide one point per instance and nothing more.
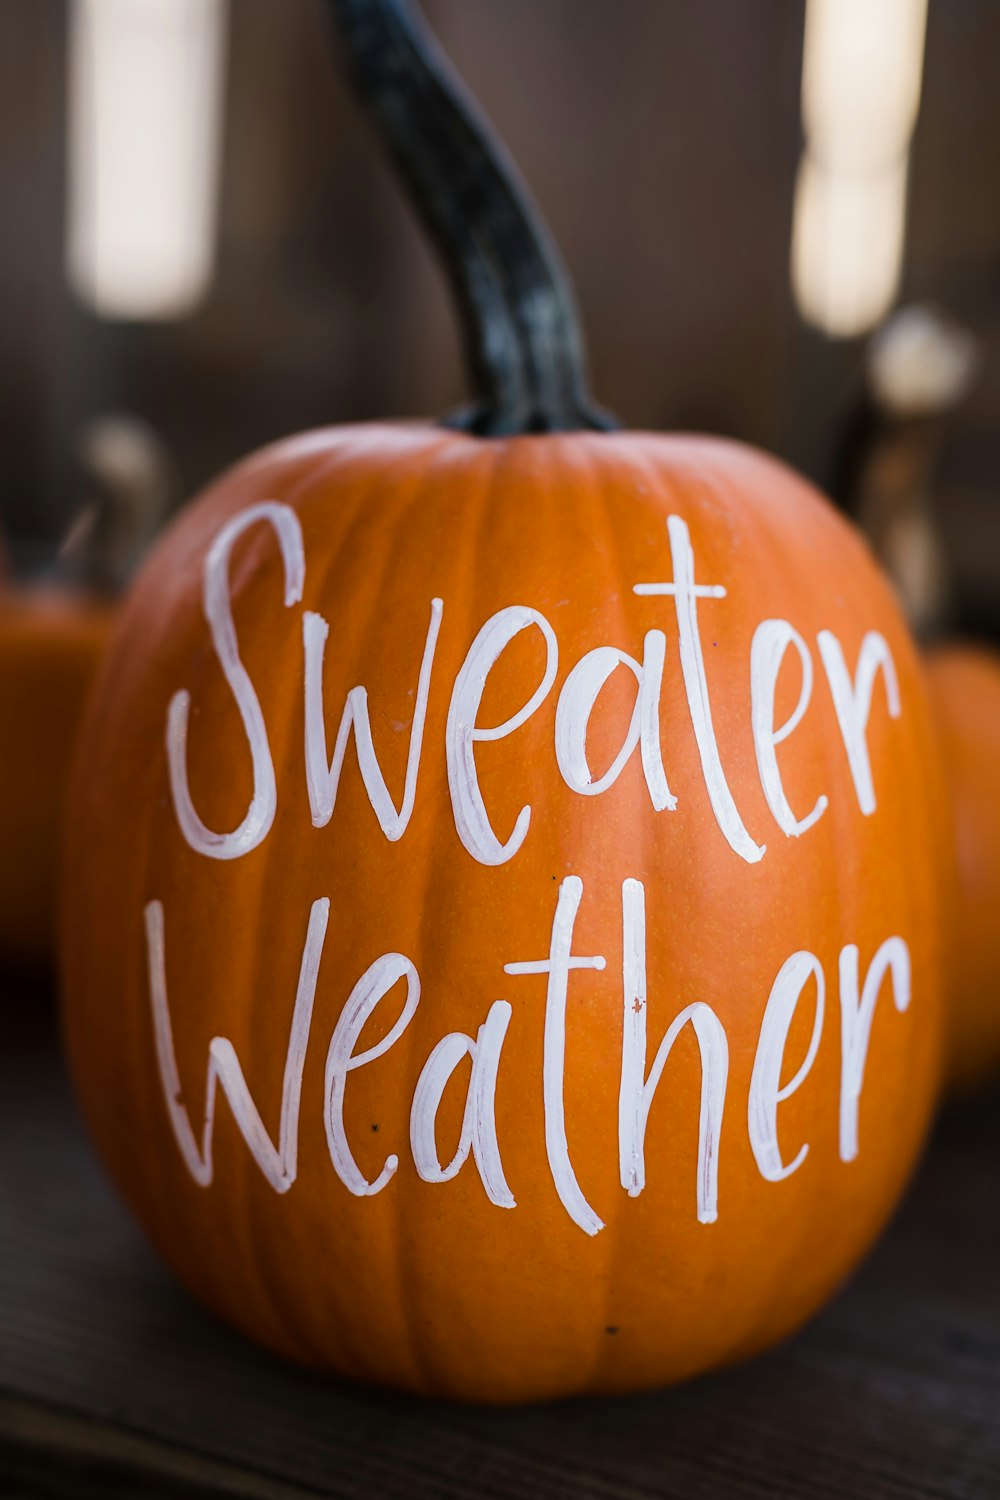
(522, 338)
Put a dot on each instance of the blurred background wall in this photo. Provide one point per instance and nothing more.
(662, 139)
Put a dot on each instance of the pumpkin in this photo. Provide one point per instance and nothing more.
(51, 641)
(965, 695)
(53, 631)
(919, 367)
(501, 936)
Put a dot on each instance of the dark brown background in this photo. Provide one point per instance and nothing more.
(661, 138)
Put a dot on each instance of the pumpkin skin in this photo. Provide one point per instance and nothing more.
(430, 1286)
(51, 642)
(965, 697)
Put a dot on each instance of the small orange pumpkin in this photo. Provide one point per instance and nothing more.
(53, 632)
(51, 641)
(965, 696)
(577, 1027)
(919, 367)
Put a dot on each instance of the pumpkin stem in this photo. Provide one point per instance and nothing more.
(129, 487)
(522, 338)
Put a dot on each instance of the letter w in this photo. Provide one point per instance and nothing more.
(323, 777)
(278, 1164)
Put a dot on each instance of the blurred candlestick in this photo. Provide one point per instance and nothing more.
(919, 368)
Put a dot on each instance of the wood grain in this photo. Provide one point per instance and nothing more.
(113, 1382)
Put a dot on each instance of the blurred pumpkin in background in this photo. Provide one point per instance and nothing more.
(421, 979)
(964, 680)
(920, 367)
(53, 632)
(965, 697)
(51, 640)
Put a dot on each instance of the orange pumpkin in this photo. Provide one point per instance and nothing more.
(965, 697)
(642, 783)
(53, 631)
(51, 640)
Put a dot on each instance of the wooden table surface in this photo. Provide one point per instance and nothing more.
(113, 1384)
